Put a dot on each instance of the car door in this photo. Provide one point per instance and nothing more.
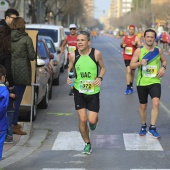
(43, 73)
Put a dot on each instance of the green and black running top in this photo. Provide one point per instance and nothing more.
(147, 75)
(86, 70)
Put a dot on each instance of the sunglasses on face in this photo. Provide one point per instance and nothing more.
(72, 28)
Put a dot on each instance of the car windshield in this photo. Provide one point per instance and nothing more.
(47, 32)
(41, 50)
(67, 32)
(50, 46)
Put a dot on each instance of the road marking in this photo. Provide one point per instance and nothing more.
(136, 142)
(69, 141)
(60, 114)
(106, 141)
(63, 169)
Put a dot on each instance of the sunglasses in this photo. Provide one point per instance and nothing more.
(72, 28)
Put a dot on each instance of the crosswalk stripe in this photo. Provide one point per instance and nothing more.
(63, 169)
(68, 141)
(136, 142)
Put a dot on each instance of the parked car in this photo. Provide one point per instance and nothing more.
(56, 60)
(53, 31)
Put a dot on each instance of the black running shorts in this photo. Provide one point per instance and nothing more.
(127, 62)
(90, 102)
(154, 90)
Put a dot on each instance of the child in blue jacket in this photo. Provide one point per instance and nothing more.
(4, 98)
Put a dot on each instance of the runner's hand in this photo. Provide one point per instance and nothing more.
(97, 81)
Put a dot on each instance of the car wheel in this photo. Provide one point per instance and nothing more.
(34, 109)
(44, 102)
(62, 68)
(56, 81)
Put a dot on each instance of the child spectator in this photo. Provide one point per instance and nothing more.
(10, 112)
(4, 98)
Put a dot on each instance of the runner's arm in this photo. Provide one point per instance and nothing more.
(161, 71)
(70, 66)
(99, 59)
(138, 42)
(63, 45)
(122, 44)
(135, 59)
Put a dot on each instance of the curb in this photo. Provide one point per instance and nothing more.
(25, 146)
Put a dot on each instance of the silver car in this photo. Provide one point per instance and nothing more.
(56, 62)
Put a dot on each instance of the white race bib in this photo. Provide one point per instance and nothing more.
(128, 50)
(86, 86)
(149, 71)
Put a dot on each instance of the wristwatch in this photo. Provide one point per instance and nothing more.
(164, 67)
(100, 78)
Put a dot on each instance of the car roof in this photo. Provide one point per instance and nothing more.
(43, 26)
(45, 37)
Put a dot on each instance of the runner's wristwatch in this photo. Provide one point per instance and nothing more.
(164, 67)
(100, 78)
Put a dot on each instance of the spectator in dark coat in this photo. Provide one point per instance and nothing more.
(5, 52)
(10, 14)
(5, 43)
(22, 53)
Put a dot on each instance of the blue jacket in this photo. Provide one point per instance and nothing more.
(4, 98)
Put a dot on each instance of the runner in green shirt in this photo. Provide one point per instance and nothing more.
(151, 64)
(89, 69)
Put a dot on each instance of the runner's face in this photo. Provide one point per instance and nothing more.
(149, 38)
(72, 31)
(131, 31)
(82, 42)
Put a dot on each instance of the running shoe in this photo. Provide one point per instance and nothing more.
(92, 126)
(8, 139)
(152, 131)
(128, 91)
(131, 89)
(143, 130)
(87, 149)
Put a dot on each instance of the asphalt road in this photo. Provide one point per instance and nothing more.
(116, 144)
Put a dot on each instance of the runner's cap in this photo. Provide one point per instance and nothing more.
(72, 26)
(132, 26)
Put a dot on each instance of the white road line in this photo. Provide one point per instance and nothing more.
(69, 141)
(63, 169)
(144, 143)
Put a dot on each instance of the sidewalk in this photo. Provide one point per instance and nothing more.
(19, 141)
(24, 145)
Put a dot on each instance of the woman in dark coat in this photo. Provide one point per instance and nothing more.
(22, 53)
(5, 52)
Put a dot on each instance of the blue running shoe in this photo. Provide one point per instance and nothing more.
(152, 131)
(131, 89)
(128, 91)
(143, 130)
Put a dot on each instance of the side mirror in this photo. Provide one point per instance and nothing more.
(51, 56)
(40, 63)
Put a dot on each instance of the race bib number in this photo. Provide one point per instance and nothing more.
(86, 86)
(71, 49)
(150, 71)
(128, 50)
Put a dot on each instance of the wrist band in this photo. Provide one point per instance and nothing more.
(100, 78)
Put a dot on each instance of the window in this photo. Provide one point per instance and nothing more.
(50, 46)
(42, 50)
(47, 32)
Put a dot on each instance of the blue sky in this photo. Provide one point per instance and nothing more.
(101, 5)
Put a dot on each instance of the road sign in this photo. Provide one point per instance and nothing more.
(3, 5)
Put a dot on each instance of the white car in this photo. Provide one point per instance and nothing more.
(53, 31)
